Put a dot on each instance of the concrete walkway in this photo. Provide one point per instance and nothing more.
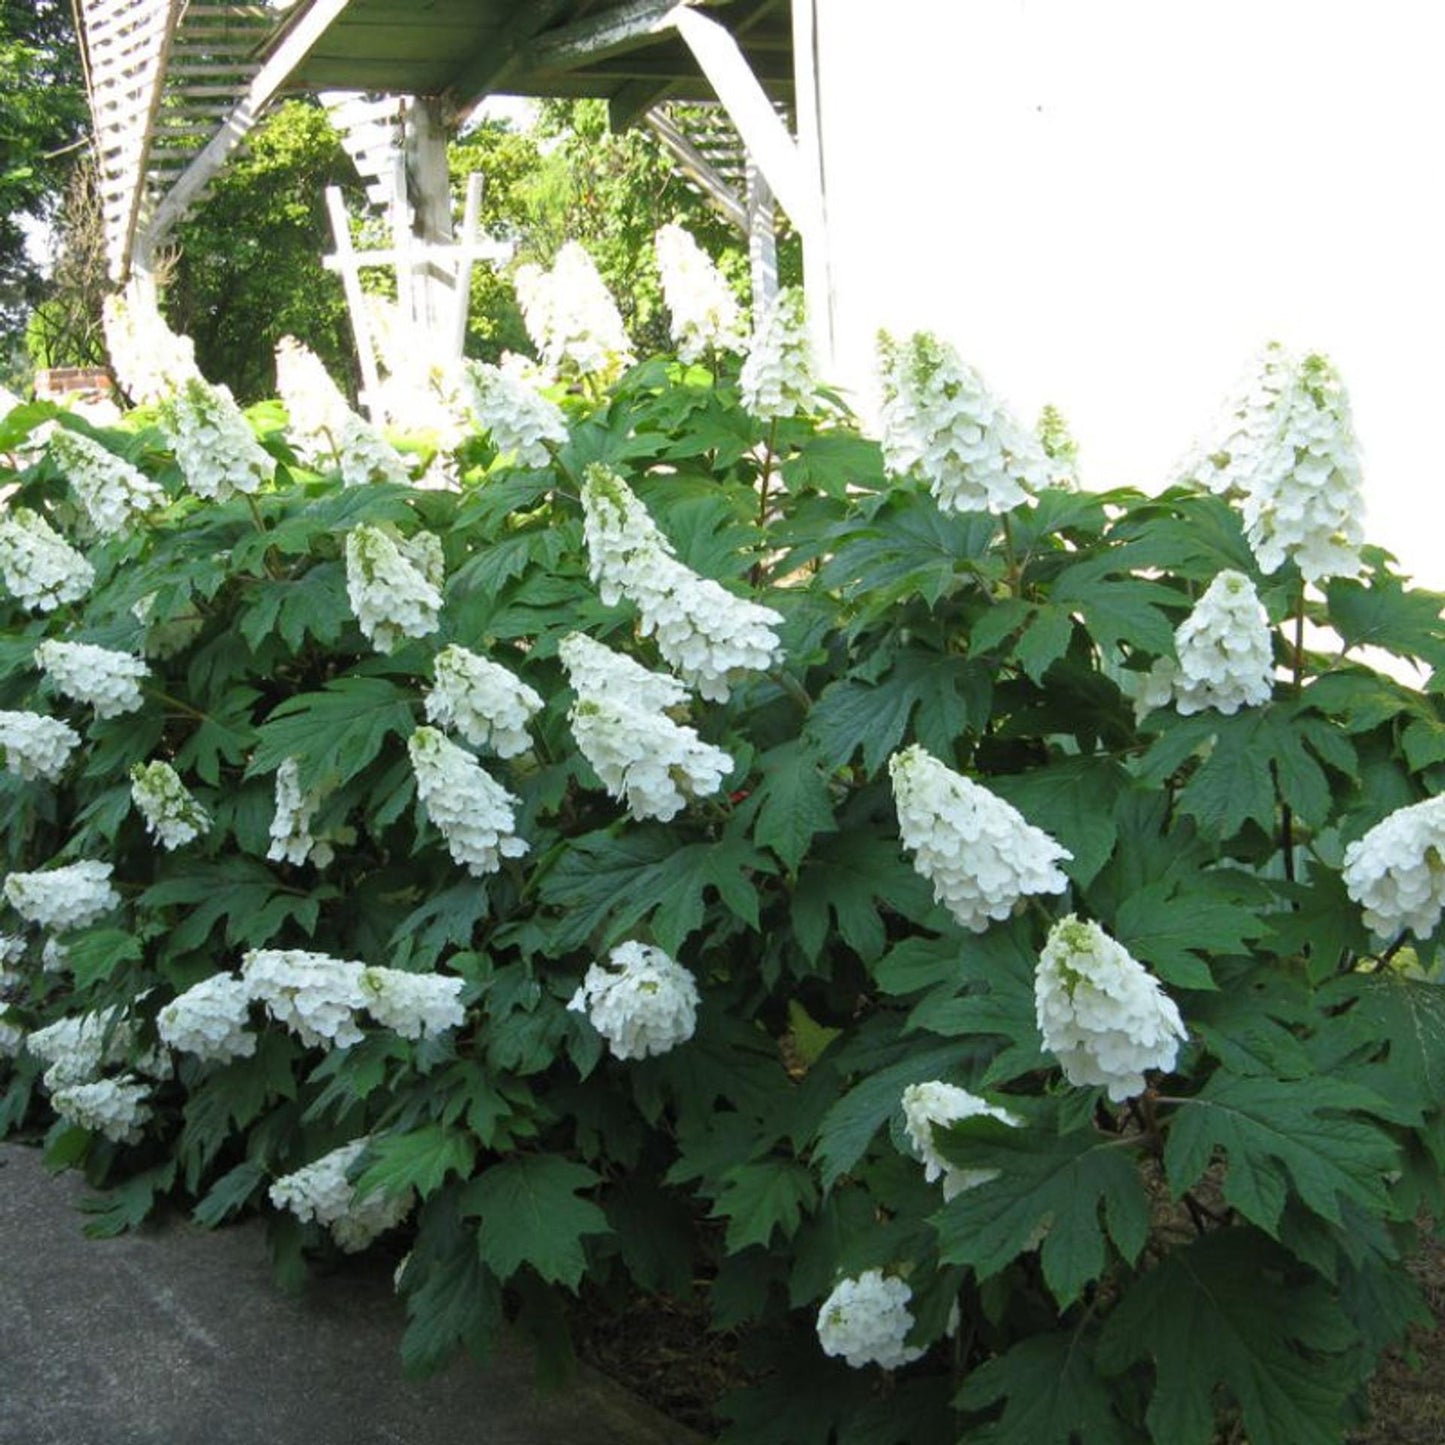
(178, 1336)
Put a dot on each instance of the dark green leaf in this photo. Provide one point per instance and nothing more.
(795, 802)
(758, 1199)
(420, 1159)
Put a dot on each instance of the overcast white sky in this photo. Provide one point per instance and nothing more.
(1111, 205)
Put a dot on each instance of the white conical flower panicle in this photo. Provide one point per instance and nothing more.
(312, 994)
(59, 899)
(210, 1020)
(705, 312)
(172, 815)
(936, 1105)
(1101, 1013)
(711, 637)
(778, 380)
(473, 812)
(414, 1005)
(216, 449)
(116, 1108)
(597, 671)
(112, 491)
(571, 317)
(1232, 451)
(368, 458)
(943, 425)
(393, 583)
(291, 839)
(322, 1191)
(1304, 501)
(36, 746)
(74, 1050)
(1226, 655)
(106, 680)
(483, 701)
(149, 359)
(980, 853)
(641, 1001)
(42, 571)
(315, 407)
(1396, 872)
(866, 1320)
(508, 405)
(640, 754)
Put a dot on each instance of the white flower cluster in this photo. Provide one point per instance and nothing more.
(482, 701)
(867, 1320)
(148, 358)
(172, 815)
(1101, 1013)
(107, 680)
(321, 1191)
(705, 312)
(637, 751)
(980, 853)
(935, 1105)
(210, 1020)
(367, 457)
(41, 569)
(112, 491)
(1287, 445)
(640, 1001)
(472, 811)
(1226, 660)
(36, 746)
(312, 994)
(711, 637)
(1396, 872)
(291, 839)
(571, 317)
(116, 1108)
(394, 583)
(943, 425)
(74, 1050)
(59, 899)
(509, 407)
(214, 445)
(778, 379)
(414, 1005)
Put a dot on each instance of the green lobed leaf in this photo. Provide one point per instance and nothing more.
(1074, 801)
(1174, 930)
(795, 802)
(420, 1159)
(759, 1199)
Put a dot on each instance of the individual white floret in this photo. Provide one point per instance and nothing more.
(980, 853)
(116, 1108)
(148, 358)
(935, 1105)
(393, 583)
(1303, 500)
(597, 671)
(216, 449)
(571, 317)
(291, 837)
(1396, 872)
(312, 994)
(112, 491)
(484, 702)
(705, 312)
(942, 424)
(41, 569)
(106, 680)
(508, 405)
(36, 746)
(322, 1191)
(210, 1019)
(414, 1005)
(641, 1001)
(74, 1050)
(779, 377)
(1226, 656)
(54, 956)
(1101, 1013)
(473, 812)
(172, 815)
(866, 1320)
(60, 899)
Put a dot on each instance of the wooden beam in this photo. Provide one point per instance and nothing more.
(695, 165)
(620, 27)
(488, 67)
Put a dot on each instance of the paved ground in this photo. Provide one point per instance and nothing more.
(180, 1337)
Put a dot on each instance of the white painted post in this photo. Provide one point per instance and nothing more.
(462, 287)
(345, 261)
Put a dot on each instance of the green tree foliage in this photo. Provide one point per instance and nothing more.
(1222, 1253)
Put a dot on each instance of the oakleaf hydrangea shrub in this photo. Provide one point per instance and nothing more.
(979, 936)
